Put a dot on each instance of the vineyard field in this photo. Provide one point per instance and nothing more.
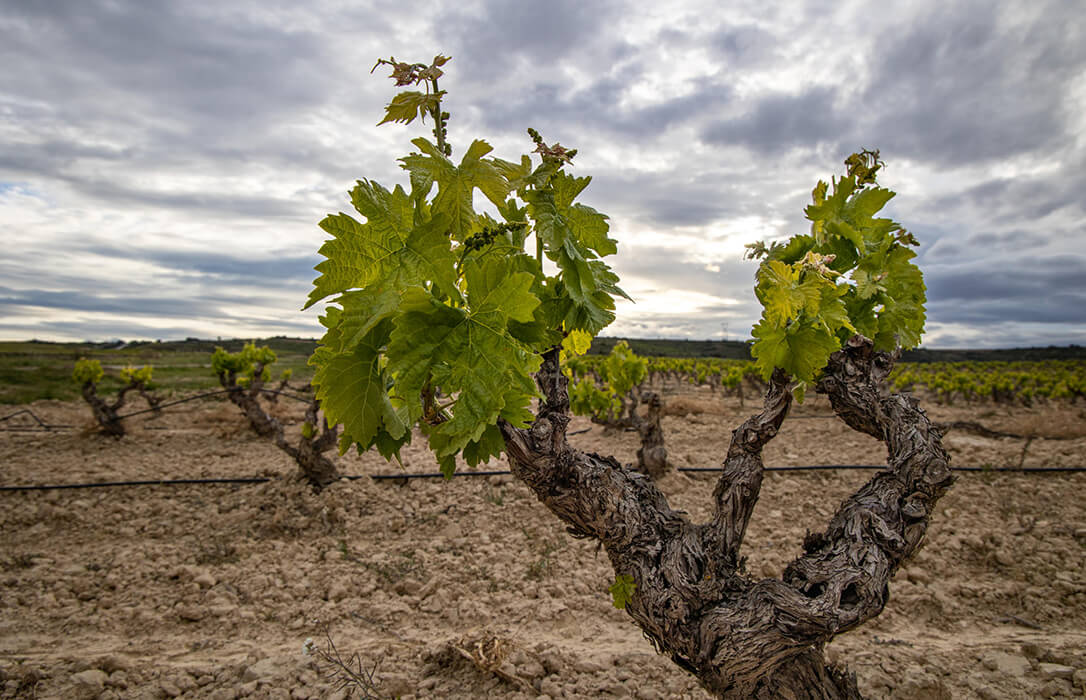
(210, 591)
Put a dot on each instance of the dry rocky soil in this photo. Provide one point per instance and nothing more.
(471, 589)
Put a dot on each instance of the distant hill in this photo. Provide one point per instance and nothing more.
(739, 350)
(648, 347)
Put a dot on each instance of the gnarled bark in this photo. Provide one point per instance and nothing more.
(313, 466)
(106, 414)
(247, 399)
(652, 455)
(747, 638)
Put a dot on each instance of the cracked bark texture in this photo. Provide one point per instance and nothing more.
(652, 455)
(742, 637)
(247, 399)
(105, 413)
(314, 467)
(108, 414)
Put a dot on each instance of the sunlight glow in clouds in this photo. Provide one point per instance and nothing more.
(165, 165)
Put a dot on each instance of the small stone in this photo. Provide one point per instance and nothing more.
(338, 591)
(917, 575)
(118, 679)
(169, 688)
(92, 678)
(223, 694)
(204, 580)
(396, 685)
(265, 668)
(1011, 664)
(919, 685)
(1057, 671)
(190, 613)
(587, 666)
(114, 662)
(1053, 689)
(531, 670)
(549, 686)
(1033, 650)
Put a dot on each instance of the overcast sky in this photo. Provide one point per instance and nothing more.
(163, 164)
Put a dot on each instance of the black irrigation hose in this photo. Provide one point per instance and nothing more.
(438, 475)
(27, 411)
(173, 403)
(845, 467)
(433, 475)
(159, 482)
(205, 395)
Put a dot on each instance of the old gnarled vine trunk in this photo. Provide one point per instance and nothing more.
(746, 638)
(313, 466)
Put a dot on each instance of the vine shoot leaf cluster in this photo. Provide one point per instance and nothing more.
(87, 371)
(244, 363)
(620, 372)
(439, 315)
(852, 274)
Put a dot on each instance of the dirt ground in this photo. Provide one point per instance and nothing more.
(210, 591)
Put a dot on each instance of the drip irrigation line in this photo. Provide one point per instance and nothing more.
(434, 475)
(43, 429)
(42, 425)
(211, 393)
(158, 482)
(846, 467)
(296, 397)
(439, 475)
(173, 403)
(27, 411)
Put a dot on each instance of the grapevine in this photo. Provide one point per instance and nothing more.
(439, 314)
(441, 317)
(88, 373)
(851, 275)
(243, 375)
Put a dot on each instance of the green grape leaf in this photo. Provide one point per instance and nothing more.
(351, 387)
(456, 184)
(781, 292)
(802, 350)
(361, 255)
(622, 590)
(409, 104)
(362, 310)
(867, 203)
(577, 343)
(468, 352)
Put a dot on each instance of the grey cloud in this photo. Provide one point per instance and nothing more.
(203, 63)
(668, 270)
(743, 45)
(73, 300)
(779, 122)
(1026, 290)
(132, 329)
(266, 269)
(961, 86)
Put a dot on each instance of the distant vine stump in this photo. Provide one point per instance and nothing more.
(652, 456)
